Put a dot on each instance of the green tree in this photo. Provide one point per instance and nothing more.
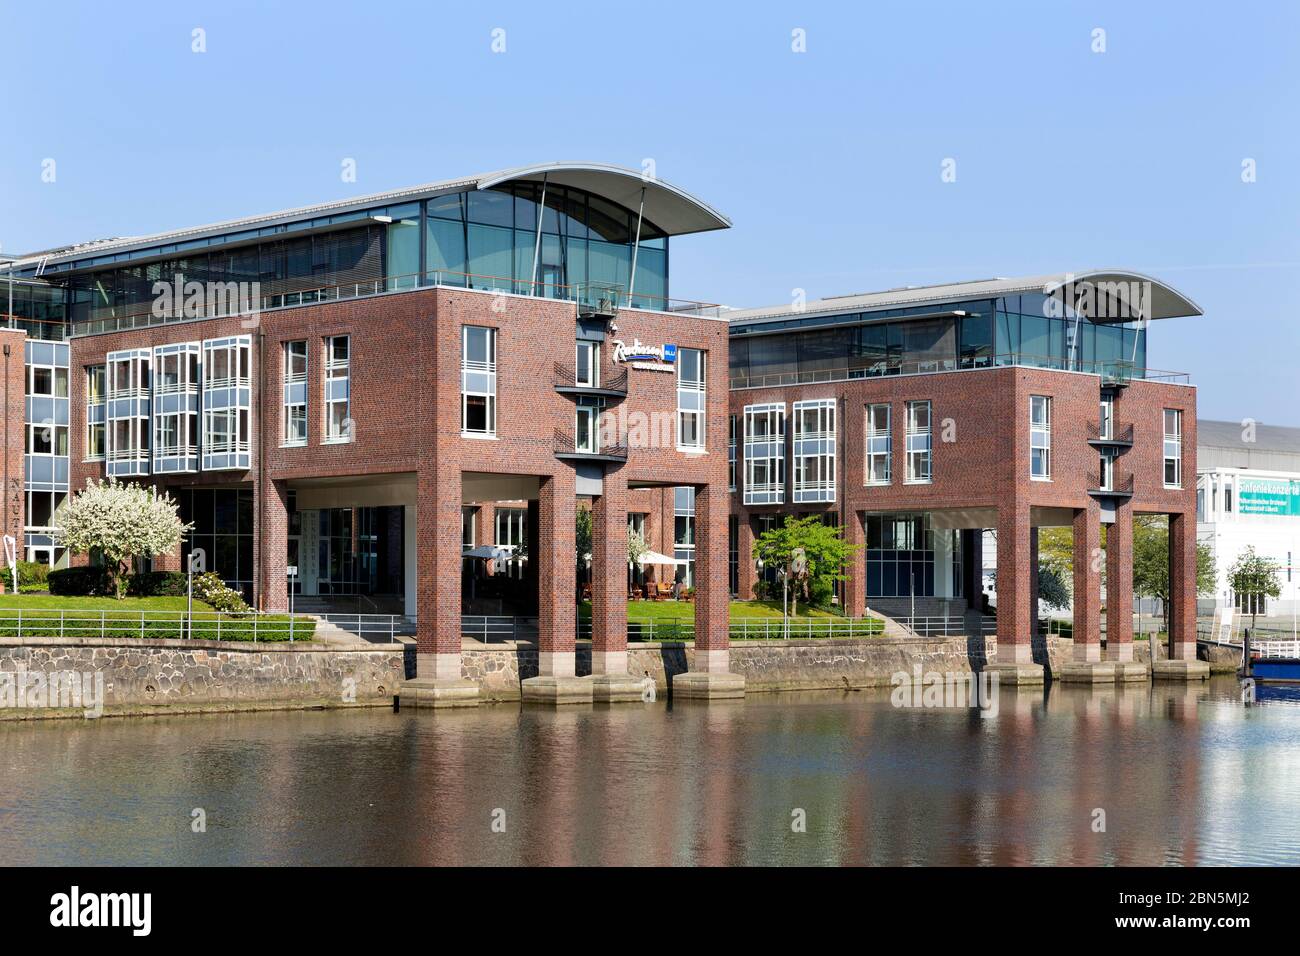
(1151, 562)
(1254, 576)
(583, 533)
(810, 554)
(119, 522)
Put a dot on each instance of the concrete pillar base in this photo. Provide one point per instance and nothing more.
(1180, 670)
(1088, 672)
(1016, 672)
(708, 685)
(1131, 671)
(556, 690)
(616, 688)
(437, 693)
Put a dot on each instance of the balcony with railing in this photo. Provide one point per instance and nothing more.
(1111, 372)
(567, 449)
(1118, 485)
(614, 384)
(591, 299)
(1118, 435)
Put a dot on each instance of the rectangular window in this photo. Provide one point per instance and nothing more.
(1040, 437)
(227, 403)
(478, 372)
(95, 394)
(684, 533)
(1107, 418)
(1173, 448)
(128, 424)
(880, 444)
(814, 451)
(690, 399)
(587, 365)
(1107, 473)
(765, 454)
(295, 393)
(338, 389)
(918, 442)
(731, 452)
(511, 532)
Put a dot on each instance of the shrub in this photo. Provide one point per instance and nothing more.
(157, 584)
(81, 582)
(820, 592)
(32, 576)
(210, 589)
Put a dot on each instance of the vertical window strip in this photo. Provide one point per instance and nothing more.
(918, 442)
(1040, 437)
(814, 451)
(765, 454)
(880, 444)
(478, 380)
(690, 398)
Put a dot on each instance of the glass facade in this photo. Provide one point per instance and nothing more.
(223, 528)
(1030, 329)
(901, 555)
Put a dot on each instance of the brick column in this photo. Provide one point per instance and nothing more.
(746, 574)
(272, 509)
(1182, 587)
(1087, 583)
(553, 557)
(609, 576)
(712, 593)
(855, 582)
(1119, 585)
(1014, 628)
(437, 532)
(14, 506)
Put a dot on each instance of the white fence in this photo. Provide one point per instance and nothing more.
(202, 625)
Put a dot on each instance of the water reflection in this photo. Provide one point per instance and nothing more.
(1183, 773)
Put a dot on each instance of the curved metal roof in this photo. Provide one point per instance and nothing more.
(1112, 285)
(671, 209)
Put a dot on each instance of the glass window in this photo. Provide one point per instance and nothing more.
(478, 380)
(587, 366)
(1173, 448)
(879, 444)
(1040, 436)
(814, 451)
(338, 388)
(765, 454)
(690, 398)
(295, 393)
(918, 442)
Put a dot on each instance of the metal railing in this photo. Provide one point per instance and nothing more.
(497, 628)
(1275, 648)
(1119, 433)
(565, 444)
(565, 377)
(371, 627)
(1109, 371)
(946, 626)
(144, 317)
(201, 625)
(1120, 484)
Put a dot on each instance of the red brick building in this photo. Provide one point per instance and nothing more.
(346, 389)
(919, 419)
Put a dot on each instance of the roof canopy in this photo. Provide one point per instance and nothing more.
(1104, 295)
(672, 210)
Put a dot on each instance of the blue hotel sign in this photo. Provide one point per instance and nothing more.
(1277, 497)
(638, 351)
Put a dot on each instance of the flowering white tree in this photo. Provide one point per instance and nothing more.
(120, 522)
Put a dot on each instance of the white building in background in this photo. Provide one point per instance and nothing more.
(1248, 493)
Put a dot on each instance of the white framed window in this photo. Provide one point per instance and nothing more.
(1040, 437)
(731, 453)
(338, 389)
(1107, 470)
(585, 430)
(690, 399)
(765, 454)
(96, 386)
(478, 381)
(468, 514)
(128, 423)
(1173, 448)
(918, 443)
(1107, 426)
(814, 451)
(511, 532)
(294, 423)
(586, 366)
(47, 381)
(227, 403)
(44, 438)
(176, 383)
(880, 444)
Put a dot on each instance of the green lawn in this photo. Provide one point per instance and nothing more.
(47, 615)
(659, 620)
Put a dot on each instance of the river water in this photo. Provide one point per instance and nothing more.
(1136, 775)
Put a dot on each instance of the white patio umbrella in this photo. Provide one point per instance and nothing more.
(490, 552)
(654, 557)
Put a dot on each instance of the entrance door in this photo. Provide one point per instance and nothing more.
(584, 431)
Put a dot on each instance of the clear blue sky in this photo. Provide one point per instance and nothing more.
(827, 161)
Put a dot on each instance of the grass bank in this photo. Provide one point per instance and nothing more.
(47, 615)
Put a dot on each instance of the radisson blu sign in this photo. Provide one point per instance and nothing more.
(1279, 497)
